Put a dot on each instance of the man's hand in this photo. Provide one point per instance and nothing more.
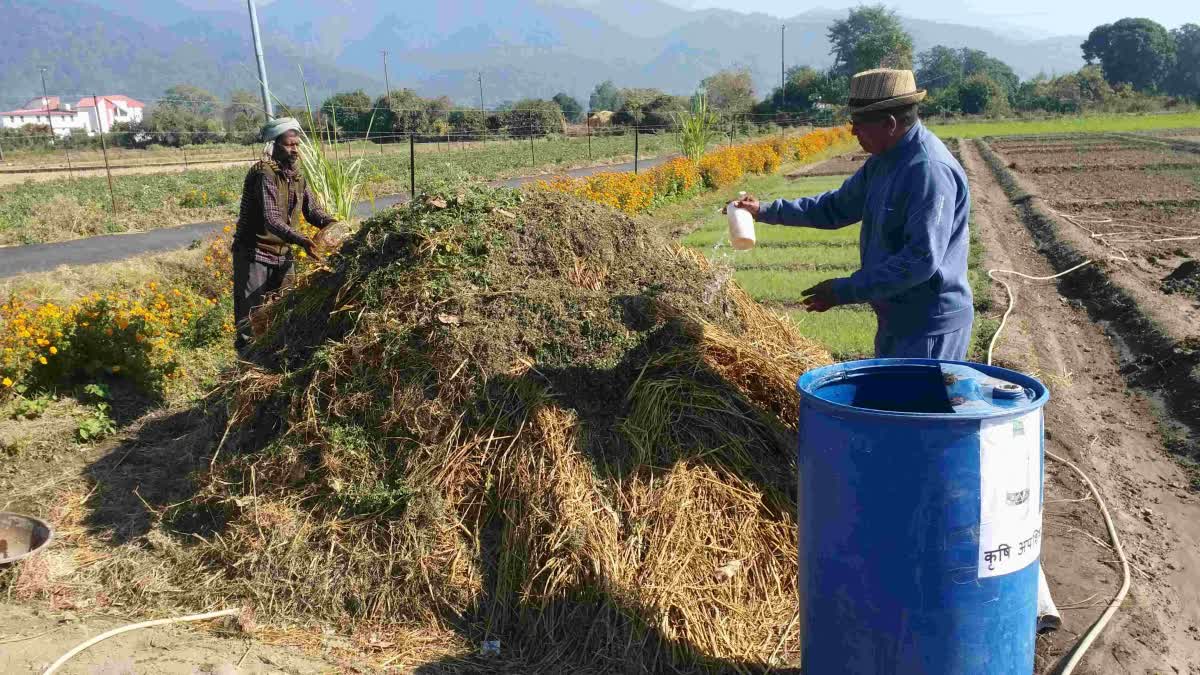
(312, 249)
(821, 297)
(748, 202)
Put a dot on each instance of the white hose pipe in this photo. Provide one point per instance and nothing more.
(134, 626)
(1086, 641)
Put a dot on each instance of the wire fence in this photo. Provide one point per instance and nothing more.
(33, 152)
(391, 154)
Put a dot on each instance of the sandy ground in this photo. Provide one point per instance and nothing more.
(1111, 433)
(31, 639)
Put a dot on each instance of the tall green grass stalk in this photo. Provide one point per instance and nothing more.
(697, 128)
(335, 182)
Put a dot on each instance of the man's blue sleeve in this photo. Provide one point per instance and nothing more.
(827, 211)
(928, 224)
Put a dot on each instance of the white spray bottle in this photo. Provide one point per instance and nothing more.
(741, 226)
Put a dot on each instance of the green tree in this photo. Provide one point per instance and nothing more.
(976, 62)
(944, 101)
(981, 95)
(1185, 78)
(243, 116)
(605, 96)
(185, 115)
(468, 124)
(534, 116)
(349, 112)
(1068, 93)
(869, 37)
(651, 109)
(730, 91)
(939, 67)
(571, 109)
(1138, 51)
(194, 100)
(401, 112)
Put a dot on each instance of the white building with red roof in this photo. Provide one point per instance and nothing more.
(84, 116)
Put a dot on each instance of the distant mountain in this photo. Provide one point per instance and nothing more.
(88, 49)
(521, 47)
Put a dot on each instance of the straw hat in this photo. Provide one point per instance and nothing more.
(883, 88)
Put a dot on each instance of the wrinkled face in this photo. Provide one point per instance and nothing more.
(876, 132)
(287, 148)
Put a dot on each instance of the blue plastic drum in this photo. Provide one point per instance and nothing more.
(920, 516)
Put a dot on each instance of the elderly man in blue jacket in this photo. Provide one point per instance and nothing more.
(912, 198)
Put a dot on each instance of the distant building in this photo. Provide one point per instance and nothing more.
(66, 119)
(114, 109)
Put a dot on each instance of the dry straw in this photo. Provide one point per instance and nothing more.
(529, 419)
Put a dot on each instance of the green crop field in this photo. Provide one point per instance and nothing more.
(1063, 125)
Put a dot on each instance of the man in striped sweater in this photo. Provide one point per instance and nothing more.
(274, 198)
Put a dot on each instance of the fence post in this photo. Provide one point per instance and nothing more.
(532, 154)
(635, 149)
(70, 171)
(104, 149)
(412, 165)
(183, 148)
(589, 126)
(731, 131)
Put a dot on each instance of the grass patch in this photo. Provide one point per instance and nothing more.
(1084, 124)
(847, 332)
(816, 257)
(782, 286)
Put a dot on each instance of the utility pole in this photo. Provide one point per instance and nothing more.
(104, 148)
(782, 77)
(50, 119)
(268, 109)
(387, 85)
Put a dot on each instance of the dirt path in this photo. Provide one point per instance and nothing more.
(1111, 432)
(17, 178)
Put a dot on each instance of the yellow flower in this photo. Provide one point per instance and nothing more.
(53, 350)
(7, 382)
(42, 360)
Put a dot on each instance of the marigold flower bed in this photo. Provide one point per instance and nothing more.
(137, 334)
(679, 178)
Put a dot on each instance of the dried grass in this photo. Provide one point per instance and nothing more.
(529, 420)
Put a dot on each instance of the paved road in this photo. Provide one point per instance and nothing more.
(16, 260)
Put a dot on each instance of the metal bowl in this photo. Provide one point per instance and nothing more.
(21, 536)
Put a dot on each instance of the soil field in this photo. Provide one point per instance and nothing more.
(1113, 432)
(838, 166)
(1120, 184)
(1123, 158)
(1142, 244)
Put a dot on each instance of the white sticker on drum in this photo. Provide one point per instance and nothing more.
(1010, 493)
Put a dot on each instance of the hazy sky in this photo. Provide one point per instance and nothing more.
(1050, 17)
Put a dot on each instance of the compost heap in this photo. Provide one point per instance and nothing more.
(527, 418)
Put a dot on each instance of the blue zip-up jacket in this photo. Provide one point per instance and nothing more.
(913, 202)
